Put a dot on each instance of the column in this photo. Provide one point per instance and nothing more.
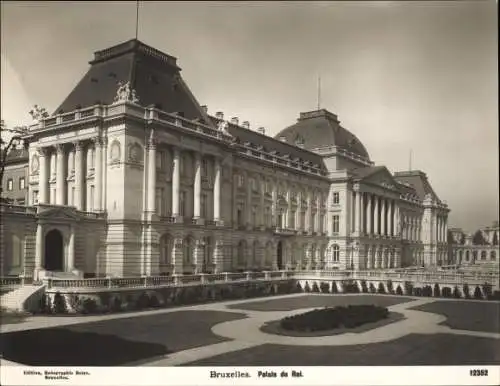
(308, 213)
(397, 221)
(357, 210)
(197, 186)
(217, 165)
(369, 229)
(98, 174)
(390, 218)
(60, 177)
(39, 247)
(376, 216)
(361, 212)
(248, 201)
(151, 177)
(43, 178)
(78, 176)
(176, 183)
(382, 217)
(71, 251)
(104, 180)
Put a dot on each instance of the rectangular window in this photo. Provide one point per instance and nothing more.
(204, 168)
(335, 198)
(72, 197)
(10, 184)
(267, 216)
(321, 222)
(335, 225)
(239, 216)
(254, 216)
(22, 183)
(35, 197)
(159, 201)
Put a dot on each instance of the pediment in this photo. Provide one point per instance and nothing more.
(59, 214)
(382, 178)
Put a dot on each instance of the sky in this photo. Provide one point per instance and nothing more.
(419, 77)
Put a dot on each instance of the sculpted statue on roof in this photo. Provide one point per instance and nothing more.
(38, 113)
(126, 93)
(222, 126)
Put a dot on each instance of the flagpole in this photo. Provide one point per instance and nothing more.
(137, 19)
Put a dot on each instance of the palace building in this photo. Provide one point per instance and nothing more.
(131, 176)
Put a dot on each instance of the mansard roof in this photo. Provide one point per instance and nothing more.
(418, 181)
(270, 144)
(320, 128)
(153, 75)
(16, 155)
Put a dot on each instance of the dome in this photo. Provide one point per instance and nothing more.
(321, 128)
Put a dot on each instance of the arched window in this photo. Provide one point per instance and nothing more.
(336, 253)
(467, 255)
(493, 255)
(474, 255)
(483, 255)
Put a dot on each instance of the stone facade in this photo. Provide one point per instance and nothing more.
(132, 189)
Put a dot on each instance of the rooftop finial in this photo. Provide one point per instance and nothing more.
(136, 19)
(319, 92)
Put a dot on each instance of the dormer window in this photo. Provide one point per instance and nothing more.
(283, 138)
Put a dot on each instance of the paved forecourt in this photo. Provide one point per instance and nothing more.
(431, 332)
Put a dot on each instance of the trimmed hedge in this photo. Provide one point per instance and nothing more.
(330, 318)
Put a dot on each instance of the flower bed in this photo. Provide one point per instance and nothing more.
(329, 318)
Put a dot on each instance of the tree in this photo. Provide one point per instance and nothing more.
(16, 137)
(478, 238)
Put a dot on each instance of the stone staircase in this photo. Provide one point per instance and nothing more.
(24, 298)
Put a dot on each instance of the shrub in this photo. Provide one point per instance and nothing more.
(335, 289)
(417, 291)
(487, 290)
(381, 289)
(408, 288)
(364, 287)
(372, 288)
(142, 301)
(477, 293)
(298, 287)
(399, 290)
(390, 287)
(456, 293)
(351, 287)
(427, 291)
(105, 298)
(325, 288)
(446, 292)
(307, 288)
(116, 305)
(466, 291)
(153, 301)
(330, 318)
(59, 304)
(495, 295)
(74, 302)
(89, 306)
(437, 290)
(315, 287)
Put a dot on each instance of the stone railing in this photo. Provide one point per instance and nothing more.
(8, 208)
(431, 277)
(163, 281)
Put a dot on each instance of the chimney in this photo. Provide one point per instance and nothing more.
(205, 109)
(219, 115)
(261, 130)
(234, 120)
(246, 124)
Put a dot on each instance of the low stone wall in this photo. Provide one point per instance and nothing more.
(67, 302)
(483, 292)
